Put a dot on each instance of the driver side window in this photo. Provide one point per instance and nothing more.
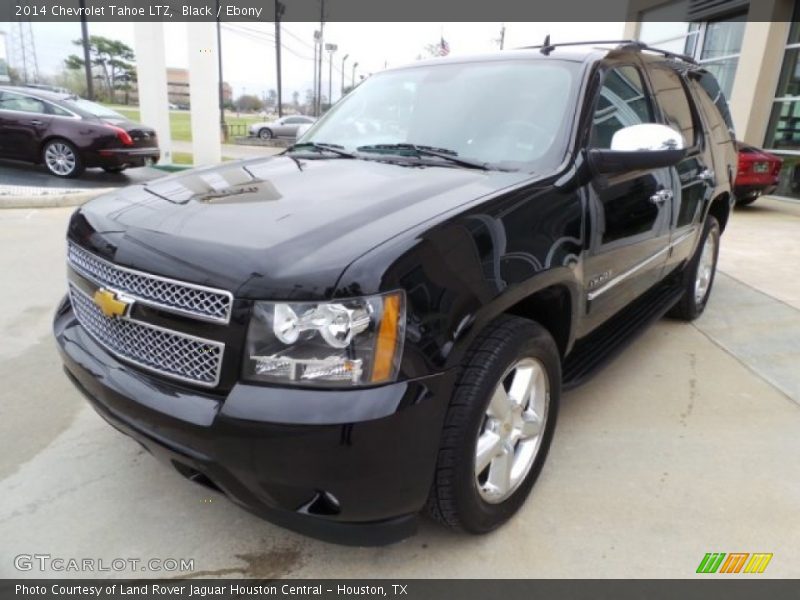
(623, 102)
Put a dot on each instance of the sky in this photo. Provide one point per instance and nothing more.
(248, 48)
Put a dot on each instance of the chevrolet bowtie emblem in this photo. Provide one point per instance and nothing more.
(110, 305)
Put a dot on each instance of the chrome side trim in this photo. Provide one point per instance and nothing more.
(635, 268)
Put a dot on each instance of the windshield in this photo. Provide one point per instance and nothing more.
(92, 108)
(509, 114)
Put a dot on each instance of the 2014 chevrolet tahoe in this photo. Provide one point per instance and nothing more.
(379, 321)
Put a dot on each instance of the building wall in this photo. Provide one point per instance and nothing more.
(760, 59)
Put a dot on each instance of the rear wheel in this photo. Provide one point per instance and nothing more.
(62, 159)
(698, 277)
(265, 134)
(498, 427)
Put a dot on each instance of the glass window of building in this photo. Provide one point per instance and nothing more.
(783, 130)
(715, 44)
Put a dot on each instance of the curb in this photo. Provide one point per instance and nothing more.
(56, 200)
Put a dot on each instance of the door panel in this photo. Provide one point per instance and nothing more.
(630, 212)
(695, 173)
(23, 123)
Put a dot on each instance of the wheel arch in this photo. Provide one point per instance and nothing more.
(720, 209)
(551, 299)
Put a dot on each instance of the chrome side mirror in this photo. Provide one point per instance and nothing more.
(647, 137)
(639, 147)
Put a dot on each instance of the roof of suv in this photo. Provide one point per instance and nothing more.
(571, 51)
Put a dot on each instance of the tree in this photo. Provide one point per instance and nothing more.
(272, 98)
(249, 103)
(296, 99)
(112, 58)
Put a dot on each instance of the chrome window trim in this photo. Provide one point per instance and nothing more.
(148, 301)
(637, 267)
(221, 345)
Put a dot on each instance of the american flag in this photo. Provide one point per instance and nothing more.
(444, 47)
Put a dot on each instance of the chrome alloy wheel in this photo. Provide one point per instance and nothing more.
(705, 269)
(512, 430)
(60, 158)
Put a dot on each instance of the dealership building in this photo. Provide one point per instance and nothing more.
(754, 50)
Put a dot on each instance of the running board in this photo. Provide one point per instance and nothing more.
(605, 342)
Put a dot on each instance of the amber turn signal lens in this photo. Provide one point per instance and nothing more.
(387, 345)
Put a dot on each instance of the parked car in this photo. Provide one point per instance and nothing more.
(67, 134)
(283, 127)
(380, 321)
(758, 173)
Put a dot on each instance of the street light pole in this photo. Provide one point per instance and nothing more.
(279, 8)
(331, 48)
(353, 78)
(319, 56)
(344, 59)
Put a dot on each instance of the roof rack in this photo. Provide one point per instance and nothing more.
(547, 47)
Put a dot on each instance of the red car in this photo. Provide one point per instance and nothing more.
(758, 173)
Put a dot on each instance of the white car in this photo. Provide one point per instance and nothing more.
(283, 127)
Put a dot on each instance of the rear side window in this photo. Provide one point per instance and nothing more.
(708, 83)
(672, 98)
(623, 102)
(18, 102)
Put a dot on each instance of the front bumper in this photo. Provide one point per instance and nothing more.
(350, 466)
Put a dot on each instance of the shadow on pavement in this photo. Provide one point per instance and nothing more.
(25, 174)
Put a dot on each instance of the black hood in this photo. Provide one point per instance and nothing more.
(275, 227)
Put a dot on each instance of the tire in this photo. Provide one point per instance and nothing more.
(460, 497)
(265, 134)
(62, 159)
(695, 296)
(114, 170)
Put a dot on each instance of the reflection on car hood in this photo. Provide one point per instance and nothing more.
(273, 227)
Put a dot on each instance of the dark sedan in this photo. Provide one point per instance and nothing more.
(67, 134)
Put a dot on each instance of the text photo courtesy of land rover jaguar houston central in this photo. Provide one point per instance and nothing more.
(379, 322)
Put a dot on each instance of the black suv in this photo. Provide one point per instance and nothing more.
(381, 320)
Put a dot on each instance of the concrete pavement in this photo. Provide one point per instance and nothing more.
(685, 444)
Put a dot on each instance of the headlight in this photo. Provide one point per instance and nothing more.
(345, 342)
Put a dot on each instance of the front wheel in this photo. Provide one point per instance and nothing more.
(265, 134)
(62, 159)
(498, 426)
(698, 277)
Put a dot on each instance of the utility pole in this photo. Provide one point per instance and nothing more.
(314, 84)
(279, 8)
(221, 95)
(87, 65)
(502, 36)
(353, 78)
(331, 48)
(344, 59)
(319, 56)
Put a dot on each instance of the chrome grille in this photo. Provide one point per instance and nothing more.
(170, 353)
(176, 296)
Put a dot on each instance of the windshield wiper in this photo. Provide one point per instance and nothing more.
(322, 147)
(448, 155)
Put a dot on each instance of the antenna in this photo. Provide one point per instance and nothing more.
(546, 48)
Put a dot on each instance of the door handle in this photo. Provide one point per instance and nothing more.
(661, 196)
(36, 122)
(706, 175)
